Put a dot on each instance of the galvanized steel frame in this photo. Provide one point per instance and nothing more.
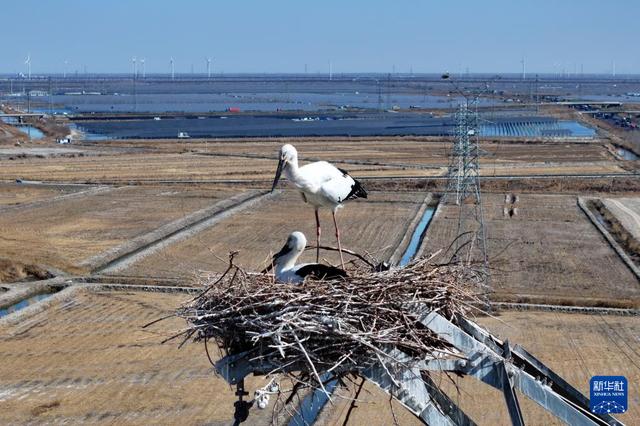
(482, 356)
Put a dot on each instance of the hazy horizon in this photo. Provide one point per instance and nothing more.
(252, 37)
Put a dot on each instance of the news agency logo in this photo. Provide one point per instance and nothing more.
(608, 394)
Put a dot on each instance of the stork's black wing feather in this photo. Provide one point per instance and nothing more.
(319, 271)
(357, 190)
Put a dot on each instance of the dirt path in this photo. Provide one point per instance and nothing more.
(628, 216)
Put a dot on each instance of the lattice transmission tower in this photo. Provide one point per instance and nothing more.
(463, 190)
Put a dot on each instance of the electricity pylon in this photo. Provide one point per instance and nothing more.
(463, 190)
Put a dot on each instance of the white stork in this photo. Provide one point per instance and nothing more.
(288, 272)
(321, 184)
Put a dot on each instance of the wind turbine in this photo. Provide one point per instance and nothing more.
(64, 73)
(208, 67)
(144, 68)
(135, 68)
(171, 61)
(613, 69)
(27, 62)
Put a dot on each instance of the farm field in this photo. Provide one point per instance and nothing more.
(399, 150)
(552, 168)
(87, 359)
(122, 168)
(63, 233)
(255, 160)
(375, 226)
(12, 194)
(543, 248)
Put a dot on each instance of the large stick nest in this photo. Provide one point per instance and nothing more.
(330, 327)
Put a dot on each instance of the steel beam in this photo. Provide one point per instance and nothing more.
(482, 356)
(489, 367)
(409, 388)
(510, 396)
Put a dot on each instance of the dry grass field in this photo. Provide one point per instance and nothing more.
(547, 251)
(62, 233)
(425, 151)
(550, 168)
(375, 225)
(12, 194)
(88, 360)
(123, 168)
(254, 160)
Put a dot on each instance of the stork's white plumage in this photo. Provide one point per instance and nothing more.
(287, 271)
(321, 184)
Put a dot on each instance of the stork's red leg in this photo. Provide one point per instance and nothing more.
(317, 237)
(335, 223)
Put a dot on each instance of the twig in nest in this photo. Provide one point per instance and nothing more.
(327, 330)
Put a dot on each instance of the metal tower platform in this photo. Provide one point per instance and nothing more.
(482, 356)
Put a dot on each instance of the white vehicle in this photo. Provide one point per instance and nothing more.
(183, 135)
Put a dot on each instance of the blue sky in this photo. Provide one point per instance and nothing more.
(356, 35)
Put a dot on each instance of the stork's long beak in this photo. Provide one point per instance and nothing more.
(278, 173)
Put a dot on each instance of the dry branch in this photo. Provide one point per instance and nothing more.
(331, 328)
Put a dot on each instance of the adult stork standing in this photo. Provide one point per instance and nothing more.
(287, 271)
(321, 184)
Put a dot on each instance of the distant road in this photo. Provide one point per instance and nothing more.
(22, 114)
